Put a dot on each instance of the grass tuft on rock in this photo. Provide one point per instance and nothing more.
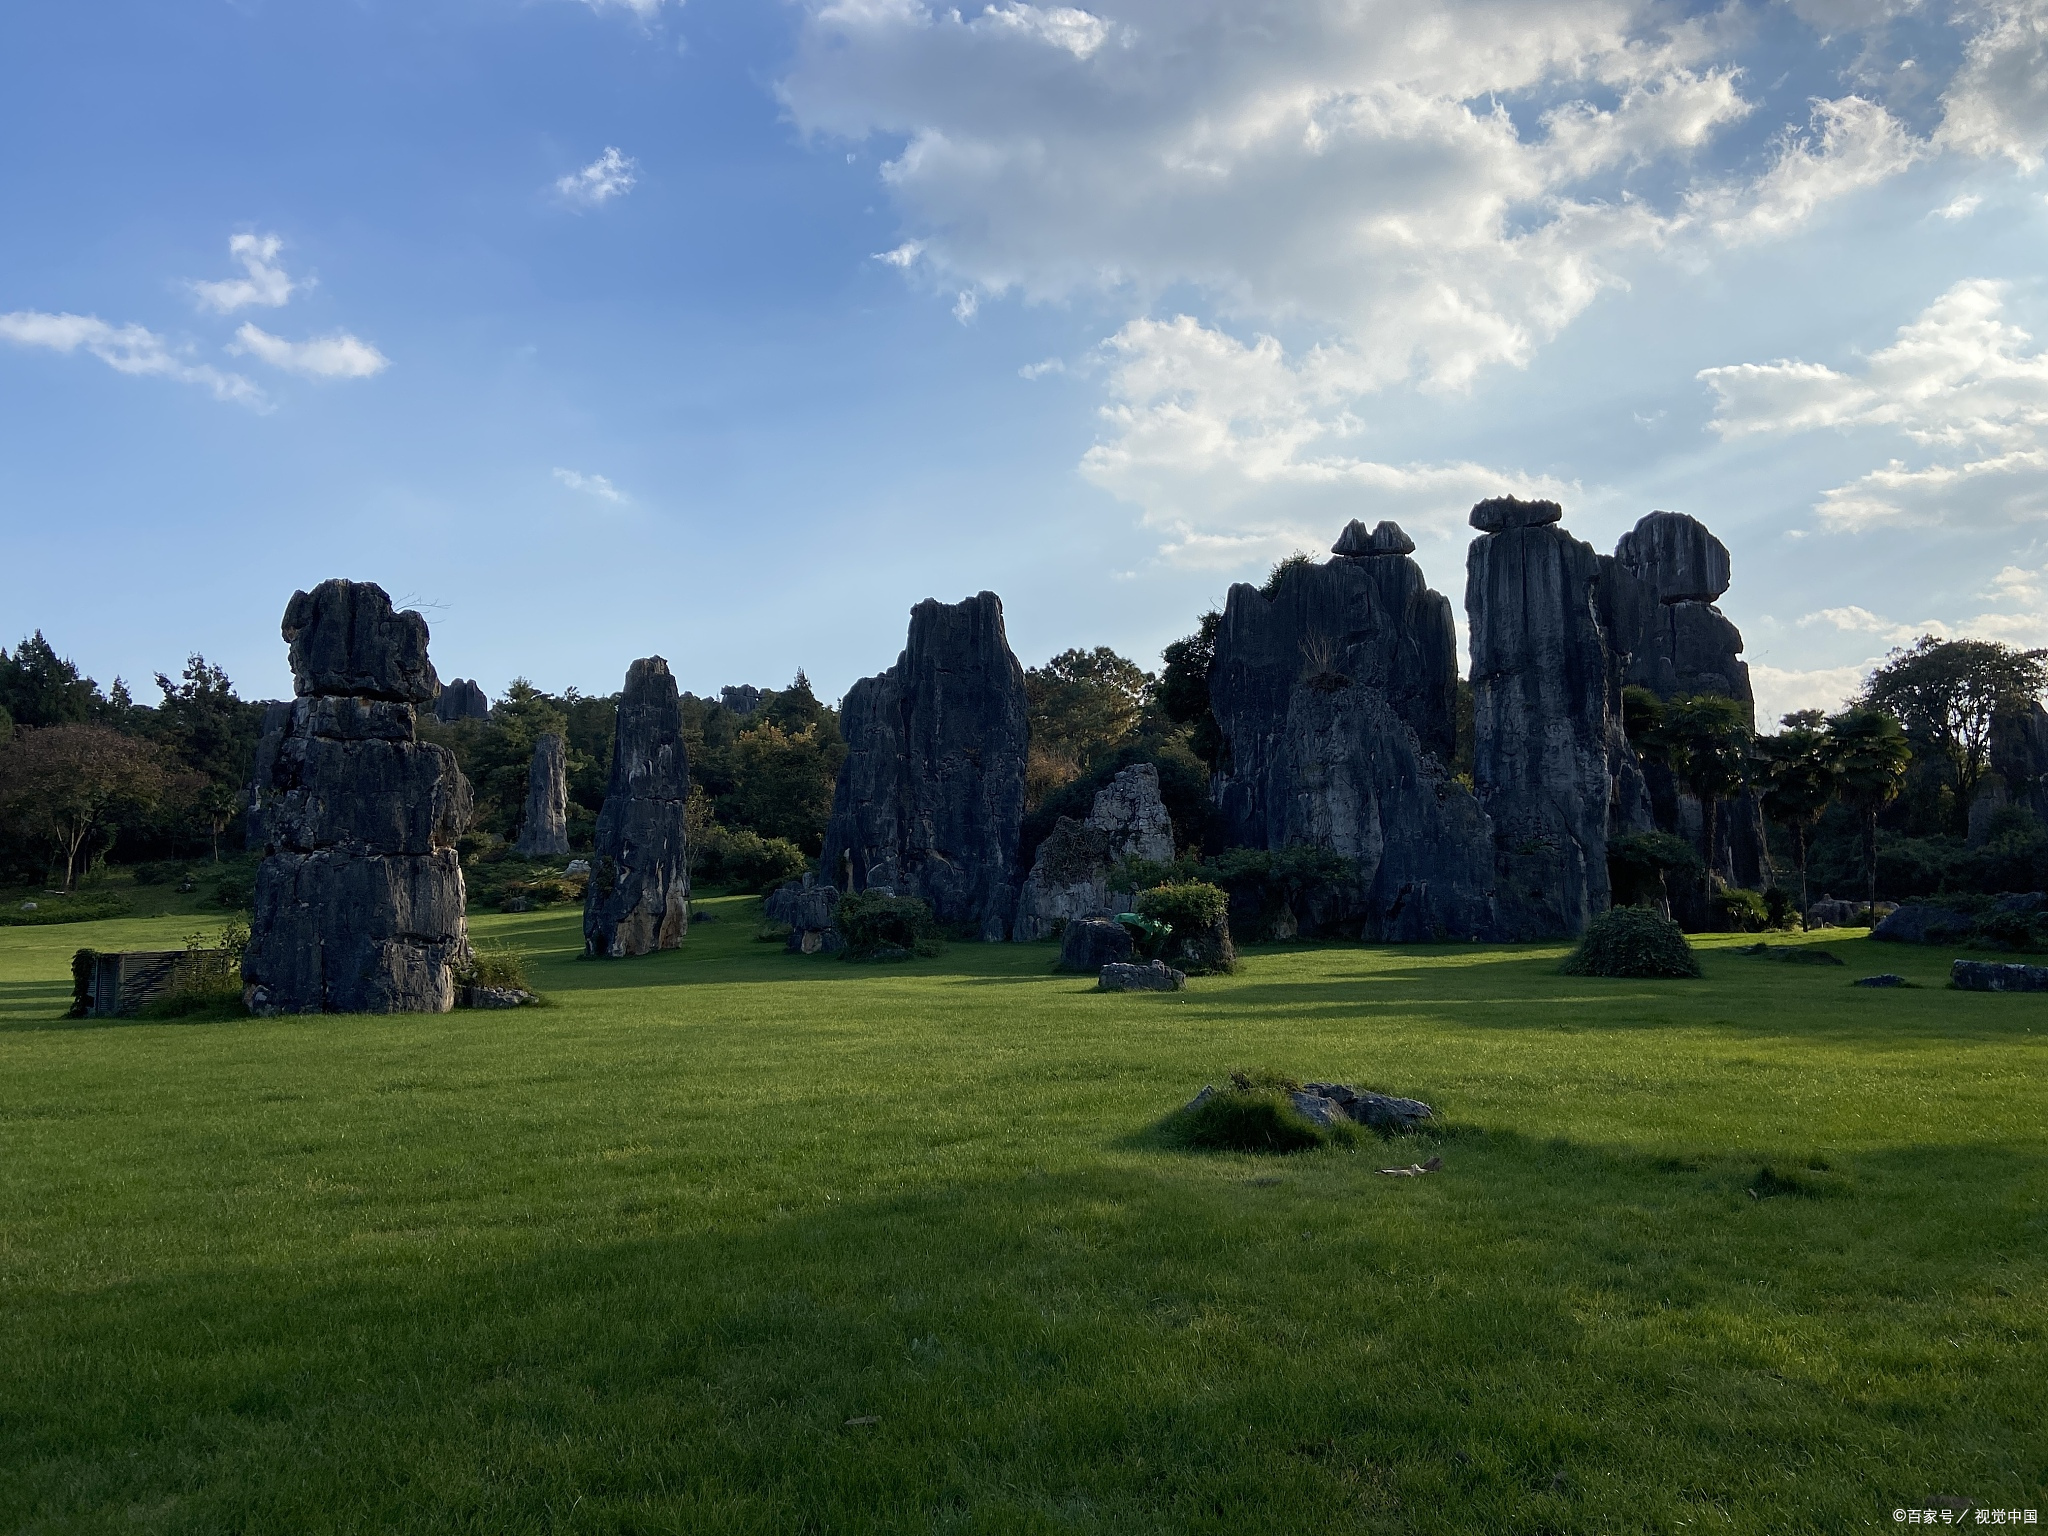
(1252, 1112)
(1632, 942)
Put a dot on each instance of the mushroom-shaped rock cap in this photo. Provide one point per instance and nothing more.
(1676, 555)
(345, 640)
(1500, 513)
(1387, 539)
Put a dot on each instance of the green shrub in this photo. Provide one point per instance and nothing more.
(878, 927)
(1632, 942)
(1638, 863)
(1740, 910)
(81, 982)
(1196, 912)
(207, 978)
(1779, 909)
(63, 909)
(161, 872)
(743, 860)
(493, 965)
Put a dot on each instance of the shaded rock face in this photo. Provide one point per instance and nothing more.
(359, 898)
(1090, 943)
(2019, 756)
(1070, 876)
(462, 699)
(743, 699)
(930, 799)
(1546, 699)
(277, 719)
(544, 832)
(1675, 643)
(1989, 976)
(1336, 699)
(807, 906)
(638, 898)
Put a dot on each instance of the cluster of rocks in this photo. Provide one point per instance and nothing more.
(359, 897)
(638, 897)
(930, 798)
(1337, 1103)
(1070, 876)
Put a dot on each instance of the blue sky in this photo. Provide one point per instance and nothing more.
(730, 331)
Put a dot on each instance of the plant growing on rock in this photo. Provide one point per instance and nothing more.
(1197, 913)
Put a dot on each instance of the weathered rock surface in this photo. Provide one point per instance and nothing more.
(807, 907)
(1070, 876)
(1677, 644)
(741, 699)
(1923, 923)
(544, 831)
(346, 641)
(1988, 976)
(638, 898)
(1337, 698)
(277, 719)
(1887, 979)
(462, 699)
(2019, 756)
(1546, 716)
(930, 799)
(1381, 1111)
(359, 899)
(1090, 943)
(1156, 976)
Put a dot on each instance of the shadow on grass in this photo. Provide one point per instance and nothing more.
(1163, 1346)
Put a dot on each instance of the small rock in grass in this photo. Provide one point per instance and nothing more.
(1313, 1106)
(1888, 979)
(577, 867)
(492, 997)
(30, 906)
(1156, 977)
(1988, 976)
(1383, 1112)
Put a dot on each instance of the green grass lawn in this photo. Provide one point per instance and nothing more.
(724, 1240)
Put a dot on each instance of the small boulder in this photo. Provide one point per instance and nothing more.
(1316, 1108)
(1988, 976)
(1156, 977)
(577, 867)
(1090, 943)
(1923, 923)
(1381, 1111)
(1888, 979)
(492, 997)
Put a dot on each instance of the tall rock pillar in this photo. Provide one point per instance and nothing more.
(638, 899)
(545, 831)
(930, 799)
(359, 898)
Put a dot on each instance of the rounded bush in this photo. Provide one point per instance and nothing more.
(1632, 942)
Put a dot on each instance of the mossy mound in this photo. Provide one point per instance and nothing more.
(1632, 942)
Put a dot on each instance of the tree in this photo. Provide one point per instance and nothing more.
(68, 784)
(40, 688)
(1084, 705)
(783, 782)
(1182, 694)
(1946, 694)
(213, 734)
(1799, 776)
(1706, 739)
(1871, 756)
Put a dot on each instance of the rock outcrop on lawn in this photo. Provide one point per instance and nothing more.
(544, 831)
(1069, 878)
(638, 898)
(930, 799)
(1090, 943)
(359, 899)
(1990, 976)
(1153, 976)
(1336, 697)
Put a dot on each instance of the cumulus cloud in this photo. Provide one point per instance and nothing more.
(1997, 101)
(1959, 378)
(1850, 144)
(1236, 453)
(130, 349)
(591, 485)
(610, 175)
(1782, 690)
(264, 281)
(646, 10)
(340, 356)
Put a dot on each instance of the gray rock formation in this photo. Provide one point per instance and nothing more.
(1546, 700)
(1090, 943)
(1989, 976)
(544, 833)
(1923, 923)
(1675, 642)
(2019, 756)
(1336, 698)
(743, 699)
(806, 907)
(1157, 976)
(277, 719)
(359, 898)
(462, 699)
(930, 799)
(1070, 875)
(638, 898)
(1381, 1111)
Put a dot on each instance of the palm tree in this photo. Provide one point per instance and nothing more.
(1871, 757)
(1799, 776)
(1706, 740)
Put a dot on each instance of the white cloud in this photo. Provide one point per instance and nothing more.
(1997, 102)
(340, 356)
(591, 485)
(610, 175)
(646, 10)
(265, 282)
(124, 348)
(1959, 378)
(1237, 454)
(965, 305)
(1780, 690)
(1039, 370)
(903, 255)
(1960, 207)
(1850, 144)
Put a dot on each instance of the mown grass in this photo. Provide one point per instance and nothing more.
(726, 1241)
